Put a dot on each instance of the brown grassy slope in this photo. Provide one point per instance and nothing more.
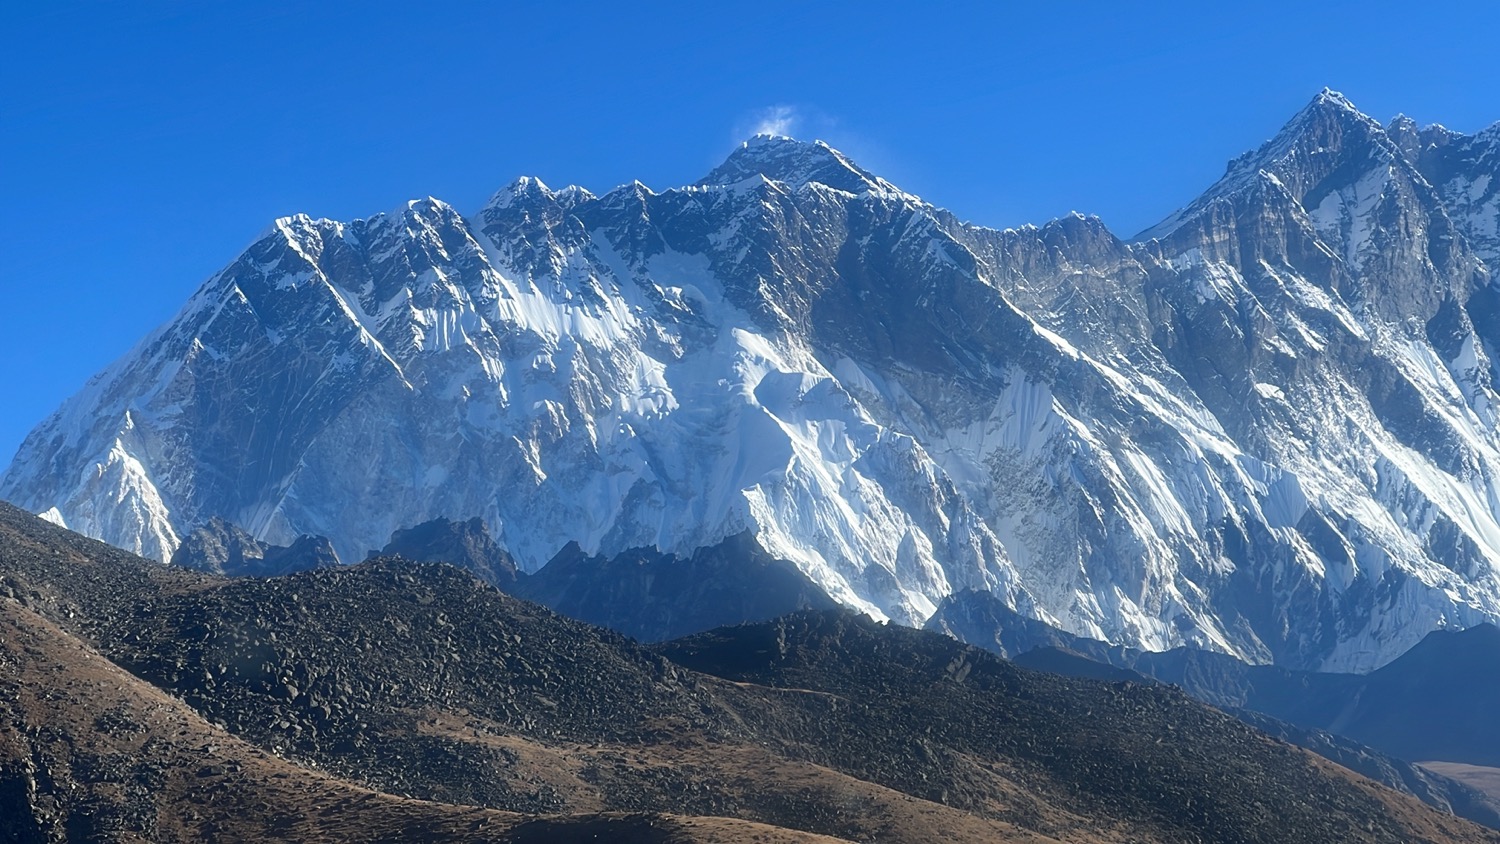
(91, 587)
(90, 753)
(419, 681)
(1179, 769)
(754, 781)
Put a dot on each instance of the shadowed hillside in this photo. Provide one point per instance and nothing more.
(417, 680)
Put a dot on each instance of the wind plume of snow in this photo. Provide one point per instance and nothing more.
(776, 120)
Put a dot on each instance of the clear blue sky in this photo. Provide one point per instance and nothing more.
(144, 144)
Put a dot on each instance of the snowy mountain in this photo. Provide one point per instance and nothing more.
(1267, 426)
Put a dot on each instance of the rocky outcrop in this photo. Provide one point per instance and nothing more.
(466, 544)
(652, 596)
(220, 547)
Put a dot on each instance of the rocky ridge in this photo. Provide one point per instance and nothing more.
(641, 592)
(1429, 704)
(467, 545)
(220, 547)
(651, 596)
(475, 699)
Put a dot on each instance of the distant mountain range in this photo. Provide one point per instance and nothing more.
(1265, 427)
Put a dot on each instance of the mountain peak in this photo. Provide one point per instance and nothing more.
(768, 138)
(795, 163)
(1324, 122)
(525, 189)
(1327, 105)
(1307, 148)
(1331, 99)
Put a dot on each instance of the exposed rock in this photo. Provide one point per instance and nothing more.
(221, 547)
(653, 596)
(467, 545)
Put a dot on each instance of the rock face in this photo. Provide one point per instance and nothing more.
(467, 545)
(1267, 426)
(220, 547)
(1463, 169)
(640, 592)
(654, 596)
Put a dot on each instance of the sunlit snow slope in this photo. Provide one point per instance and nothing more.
(1267, 426)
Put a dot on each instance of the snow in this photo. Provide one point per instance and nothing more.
(1270, 392)
(115, 497)
(1346, 217)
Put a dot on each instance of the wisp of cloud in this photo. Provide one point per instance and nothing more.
(776, 120)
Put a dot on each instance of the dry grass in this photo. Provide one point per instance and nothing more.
(415, 681)
(754, 778)
(93, 753)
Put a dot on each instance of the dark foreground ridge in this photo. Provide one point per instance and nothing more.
(1433, 703)
(369, 685)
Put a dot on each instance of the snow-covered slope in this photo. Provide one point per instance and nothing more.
(1266, 427)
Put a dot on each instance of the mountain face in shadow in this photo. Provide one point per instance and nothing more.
(466, 544)
(653, 596)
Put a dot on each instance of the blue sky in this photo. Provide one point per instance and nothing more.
(144, 144)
